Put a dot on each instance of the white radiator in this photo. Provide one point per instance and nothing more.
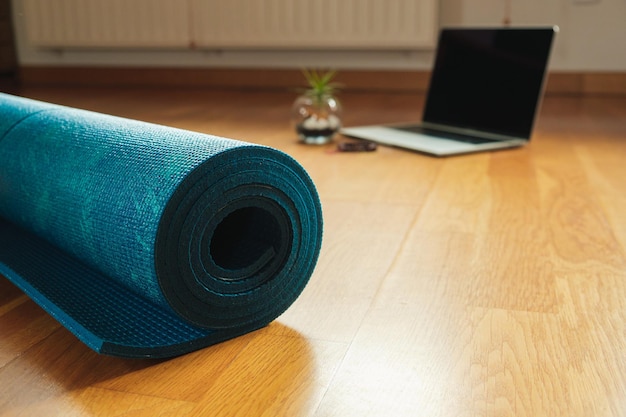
(315, 23)
(297, 24)
(106, 23)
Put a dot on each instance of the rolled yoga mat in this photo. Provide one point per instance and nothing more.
(145, 240)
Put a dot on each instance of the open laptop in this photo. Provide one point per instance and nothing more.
(484, 93)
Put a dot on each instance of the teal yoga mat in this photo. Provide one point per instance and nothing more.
(145, 240)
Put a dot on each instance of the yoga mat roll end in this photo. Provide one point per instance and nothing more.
(252, 233)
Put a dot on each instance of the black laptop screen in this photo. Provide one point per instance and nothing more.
(489, 79)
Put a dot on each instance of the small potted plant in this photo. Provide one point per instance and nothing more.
(317, 112)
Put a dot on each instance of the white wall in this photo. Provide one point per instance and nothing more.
(592, 37)
(592, 33)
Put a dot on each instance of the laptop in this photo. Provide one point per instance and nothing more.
(484, 93)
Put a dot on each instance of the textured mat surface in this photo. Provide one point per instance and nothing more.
(149, 241)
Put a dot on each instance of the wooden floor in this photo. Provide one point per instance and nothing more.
(491, 284)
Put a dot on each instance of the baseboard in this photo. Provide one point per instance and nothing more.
(217, 77)
(611, 83)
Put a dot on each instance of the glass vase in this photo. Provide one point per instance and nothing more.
(316, 118)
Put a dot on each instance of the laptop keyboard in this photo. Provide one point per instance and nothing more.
(445, 135)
